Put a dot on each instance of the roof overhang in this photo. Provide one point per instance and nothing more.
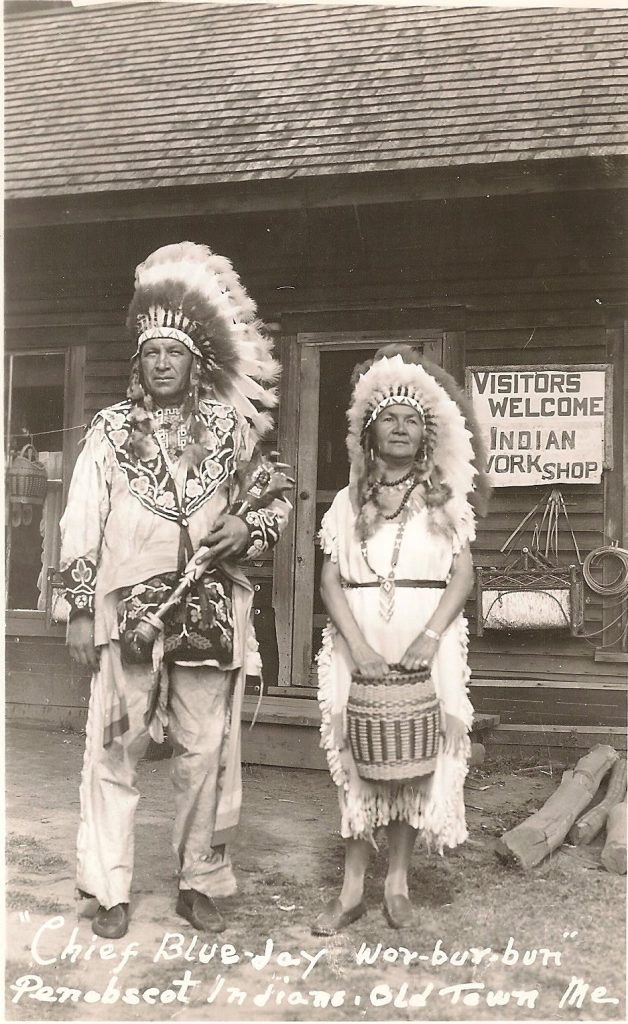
(512, 178)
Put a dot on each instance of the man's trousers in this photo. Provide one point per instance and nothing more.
(197, 722)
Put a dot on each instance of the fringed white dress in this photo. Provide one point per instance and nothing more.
(434, 805)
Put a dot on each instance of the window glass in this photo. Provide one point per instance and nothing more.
(34, 398)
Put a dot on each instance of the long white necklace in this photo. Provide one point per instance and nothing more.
(387, 582)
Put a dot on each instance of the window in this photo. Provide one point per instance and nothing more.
(40, 414)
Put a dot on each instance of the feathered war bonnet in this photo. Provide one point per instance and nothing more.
(452, 460)
(186, 292)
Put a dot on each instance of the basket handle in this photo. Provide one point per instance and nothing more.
(33, 454)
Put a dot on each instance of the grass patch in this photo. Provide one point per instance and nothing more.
(18, 900)
(29, 855)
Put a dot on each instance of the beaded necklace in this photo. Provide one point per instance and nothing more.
(396, 483)
(387, 583)
(404, 502)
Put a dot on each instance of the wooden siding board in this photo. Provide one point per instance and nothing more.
(30, 337)
(577, 707)
(39, 671)
(504, 660)
(538, 337)
(553, 741)
(107, 368)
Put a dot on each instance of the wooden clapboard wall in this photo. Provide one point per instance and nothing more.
(522, 658)
(107, 367)
(523, 280)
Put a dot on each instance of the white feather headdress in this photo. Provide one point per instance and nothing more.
(187, 292)
(447, 438)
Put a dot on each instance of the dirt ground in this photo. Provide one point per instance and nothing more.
(489, 943)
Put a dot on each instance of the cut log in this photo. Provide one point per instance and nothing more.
(528, 843)
(588, 826)
(614, 852)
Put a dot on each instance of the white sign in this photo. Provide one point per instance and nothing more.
(541, 426)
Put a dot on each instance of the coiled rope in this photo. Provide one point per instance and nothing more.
(616, 587)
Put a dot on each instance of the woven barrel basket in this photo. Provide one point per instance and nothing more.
(27, 478)
(394, 724)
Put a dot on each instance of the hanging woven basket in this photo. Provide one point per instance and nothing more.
(532, 598)
(27, 478)
(533, 591)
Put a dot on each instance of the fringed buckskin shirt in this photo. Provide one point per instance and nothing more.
(122, 523)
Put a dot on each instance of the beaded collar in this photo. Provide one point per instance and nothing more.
(150, 479)
(171, 429)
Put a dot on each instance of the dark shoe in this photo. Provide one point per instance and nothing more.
(399, 911)
(112, 923)
(333, 918)
(200, 910)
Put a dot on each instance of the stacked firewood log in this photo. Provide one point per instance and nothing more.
(571, 813)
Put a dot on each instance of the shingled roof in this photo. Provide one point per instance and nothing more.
(143, 95)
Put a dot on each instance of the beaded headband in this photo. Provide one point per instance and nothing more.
(394, 399)
(169, 333)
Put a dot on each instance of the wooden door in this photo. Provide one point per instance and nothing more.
(325, 363)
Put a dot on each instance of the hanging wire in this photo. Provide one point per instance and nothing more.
(45, 433)
(621, 638)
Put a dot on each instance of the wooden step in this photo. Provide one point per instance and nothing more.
(277, 710)
(305, 711)
(286, 732)
(291, 691)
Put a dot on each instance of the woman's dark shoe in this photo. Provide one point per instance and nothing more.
(399, 911)
(200, 910)
(333, 918)
(112, 923)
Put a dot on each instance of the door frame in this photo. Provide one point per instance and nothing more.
(299, 435)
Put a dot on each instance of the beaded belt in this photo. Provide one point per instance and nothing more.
(428, 584)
